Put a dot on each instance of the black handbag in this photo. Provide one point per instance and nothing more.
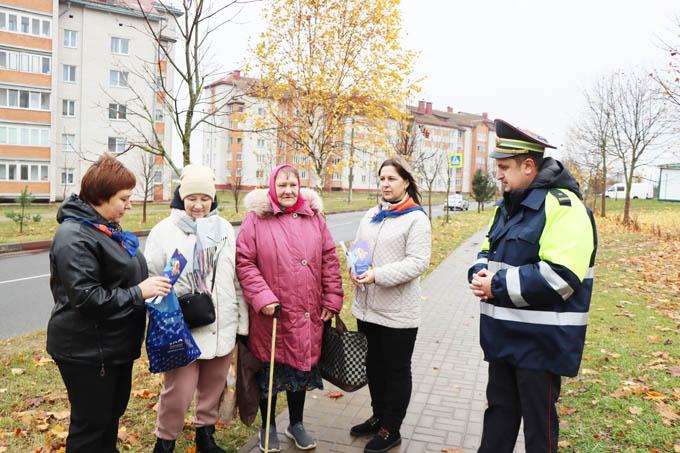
(343, 356)
(198, 309)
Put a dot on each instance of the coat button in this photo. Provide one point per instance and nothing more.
(295, 216)
(303, 262)
(306, 314)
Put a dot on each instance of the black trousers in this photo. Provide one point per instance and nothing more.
(97, 403)
(514, 394)
(296, 407)
(388, 366)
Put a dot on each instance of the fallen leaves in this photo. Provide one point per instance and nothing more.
(635, 410)
(144, 394)
(17, 371)
(667, 412)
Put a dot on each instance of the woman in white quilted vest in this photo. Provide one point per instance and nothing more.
(209, 244)
(387, 301)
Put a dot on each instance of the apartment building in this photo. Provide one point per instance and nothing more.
(105, 60)
(448, 132)
(74, 75)
(242, 143)
(26, 93)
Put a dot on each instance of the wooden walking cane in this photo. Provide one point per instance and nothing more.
(275, 316)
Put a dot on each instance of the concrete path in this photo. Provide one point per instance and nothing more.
(449, 377)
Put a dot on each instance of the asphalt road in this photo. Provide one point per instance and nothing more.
(26, 300)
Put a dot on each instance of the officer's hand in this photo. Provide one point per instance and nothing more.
(481, 284)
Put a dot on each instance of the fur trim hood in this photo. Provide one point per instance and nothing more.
(258, 201)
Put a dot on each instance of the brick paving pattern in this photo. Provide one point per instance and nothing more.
(449, 377)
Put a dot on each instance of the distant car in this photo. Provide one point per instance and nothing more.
(457, 203)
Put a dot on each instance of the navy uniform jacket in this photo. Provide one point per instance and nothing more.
(543, 257)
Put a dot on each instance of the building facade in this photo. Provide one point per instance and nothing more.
(74, 76)
(27, 28)
(242, 144)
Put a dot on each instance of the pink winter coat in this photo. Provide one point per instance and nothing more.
(288, 258)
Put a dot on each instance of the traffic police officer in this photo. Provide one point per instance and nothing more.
(534, 276)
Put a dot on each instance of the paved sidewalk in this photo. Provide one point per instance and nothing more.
(449, 377)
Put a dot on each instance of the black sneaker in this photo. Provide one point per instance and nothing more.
(383, 441)
(367, 428)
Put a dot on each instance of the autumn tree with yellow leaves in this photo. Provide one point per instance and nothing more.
(323, 62)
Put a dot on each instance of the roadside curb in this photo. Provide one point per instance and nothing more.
(20, 248)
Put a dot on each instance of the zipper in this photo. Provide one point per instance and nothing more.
(375, 246)
(102, 371)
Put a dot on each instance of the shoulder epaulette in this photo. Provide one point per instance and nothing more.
(562, 198)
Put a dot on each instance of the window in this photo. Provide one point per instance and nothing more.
(46, 28)
(3, 171)
(238, 172)
(228, 172)
(35, 26)
(66, 176)
(259, 173)
(44, 172)
(68, 142)
(238, 156)
(260, 111)
(70, 39)
(69, 73)
(12, 22)
(35, 170)
(303, 174)
(120, 46)
(158, 177)
(68, 107)
(25, 21)
(116, 144)
(12, 172)
(23, 172)
(117, 111)
(260, 142)
(3, 24)
(25, 60)
(46, 65)
(159, 114)
(239, 140)
(230, 140)
(118, 78)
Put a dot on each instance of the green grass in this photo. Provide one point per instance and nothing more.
(632, 341)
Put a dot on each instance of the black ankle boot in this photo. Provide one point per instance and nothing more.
(164, 446)
(205, 442)
(383, 441)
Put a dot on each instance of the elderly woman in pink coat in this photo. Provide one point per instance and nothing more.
(285, 256)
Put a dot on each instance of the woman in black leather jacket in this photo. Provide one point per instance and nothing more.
(99, 283)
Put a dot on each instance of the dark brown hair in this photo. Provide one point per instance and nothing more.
(537, 158)
(104, 179)
(399, 165)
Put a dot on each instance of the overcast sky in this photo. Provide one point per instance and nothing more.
(526, 61)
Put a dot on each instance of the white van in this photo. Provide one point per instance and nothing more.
(643, 190)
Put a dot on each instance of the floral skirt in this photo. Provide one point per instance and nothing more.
(287, 378)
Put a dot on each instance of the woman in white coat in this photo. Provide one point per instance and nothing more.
(208, 243)
(387, 303)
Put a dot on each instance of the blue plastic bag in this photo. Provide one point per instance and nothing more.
(169, 343)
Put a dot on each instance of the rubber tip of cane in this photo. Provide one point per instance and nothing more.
(277, 311)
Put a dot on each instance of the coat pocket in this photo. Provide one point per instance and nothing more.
(387, 299)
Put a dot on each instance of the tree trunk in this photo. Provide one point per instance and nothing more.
(351, 164)
(146, 199)
(603, 200)
(429, 203)
(626, 205)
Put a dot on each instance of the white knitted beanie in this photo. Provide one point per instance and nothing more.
(197, 179)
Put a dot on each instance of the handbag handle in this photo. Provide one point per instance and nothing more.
(339, 325)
